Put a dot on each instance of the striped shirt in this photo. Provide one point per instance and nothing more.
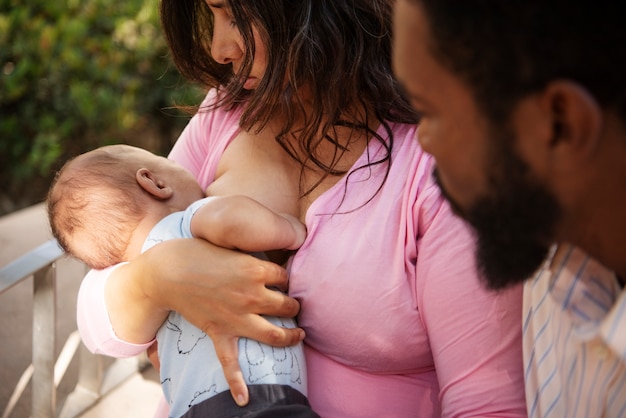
(574, 335)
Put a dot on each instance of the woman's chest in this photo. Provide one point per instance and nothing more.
(256, 165)
(355, 277)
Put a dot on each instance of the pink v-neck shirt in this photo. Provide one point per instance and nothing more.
(397, 322)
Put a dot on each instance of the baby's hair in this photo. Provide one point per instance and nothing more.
(94, 195)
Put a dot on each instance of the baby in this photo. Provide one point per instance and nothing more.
(111, 204)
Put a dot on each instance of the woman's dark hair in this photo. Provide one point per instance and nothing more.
(505, 50)
(338, 50)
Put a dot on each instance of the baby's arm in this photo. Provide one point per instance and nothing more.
(95, 322)
(242, 223)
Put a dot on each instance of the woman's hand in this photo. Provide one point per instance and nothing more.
(222, 292)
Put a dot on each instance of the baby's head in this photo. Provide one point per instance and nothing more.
(99, 199)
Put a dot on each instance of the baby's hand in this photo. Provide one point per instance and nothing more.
(299, 230)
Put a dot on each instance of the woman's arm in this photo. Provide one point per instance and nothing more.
(474, 333)
(222, 292)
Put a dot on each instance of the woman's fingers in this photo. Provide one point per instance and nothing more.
(264, 272)
(153, 356)
(226, 348)
(228, 354)
(260, 329)
(274, 303)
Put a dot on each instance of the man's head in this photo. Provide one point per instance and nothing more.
(520, 101)
(99, 199)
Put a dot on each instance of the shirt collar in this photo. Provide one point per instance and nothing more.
(590, 295)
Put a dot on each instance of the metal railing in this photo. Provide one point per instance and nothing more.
(97, 375)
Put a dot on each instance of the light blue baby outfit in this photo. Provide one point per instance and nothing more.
(190, 370)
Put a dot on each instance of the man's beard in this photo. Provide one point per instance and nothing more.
(513, 224)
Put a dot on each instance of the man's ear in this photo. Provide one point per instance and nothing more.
(576, 120)
(148, 181)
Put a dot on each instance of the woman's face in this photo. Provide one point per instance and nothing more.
(227, 46)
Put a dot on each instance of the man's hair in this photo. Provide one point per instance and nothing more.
(335, 52)
(506, 49)
(97, 198)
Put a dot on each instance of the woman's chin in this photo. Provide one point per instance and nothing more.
(251, 83)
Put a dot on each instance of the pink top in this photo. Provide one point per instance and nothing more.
(397, 322)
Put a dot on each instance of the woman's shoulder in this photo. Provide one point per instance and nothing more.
(409, 157)
(208, 133)
(213, 121)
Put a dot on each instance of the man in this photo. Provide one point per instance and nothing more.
(523, 106)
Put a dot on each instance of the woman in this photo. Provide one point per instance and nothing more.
(303, 97)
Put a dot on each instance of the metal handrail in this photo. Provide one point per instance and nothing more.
(47, 370)
(27, 265)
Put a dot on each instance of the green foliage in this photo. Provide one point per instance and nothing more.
(77, 74)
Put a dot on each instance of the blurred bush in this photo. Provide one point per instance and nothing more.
(77, 74)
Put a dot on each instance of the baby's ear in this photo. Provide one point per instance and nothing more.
(152, 184)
